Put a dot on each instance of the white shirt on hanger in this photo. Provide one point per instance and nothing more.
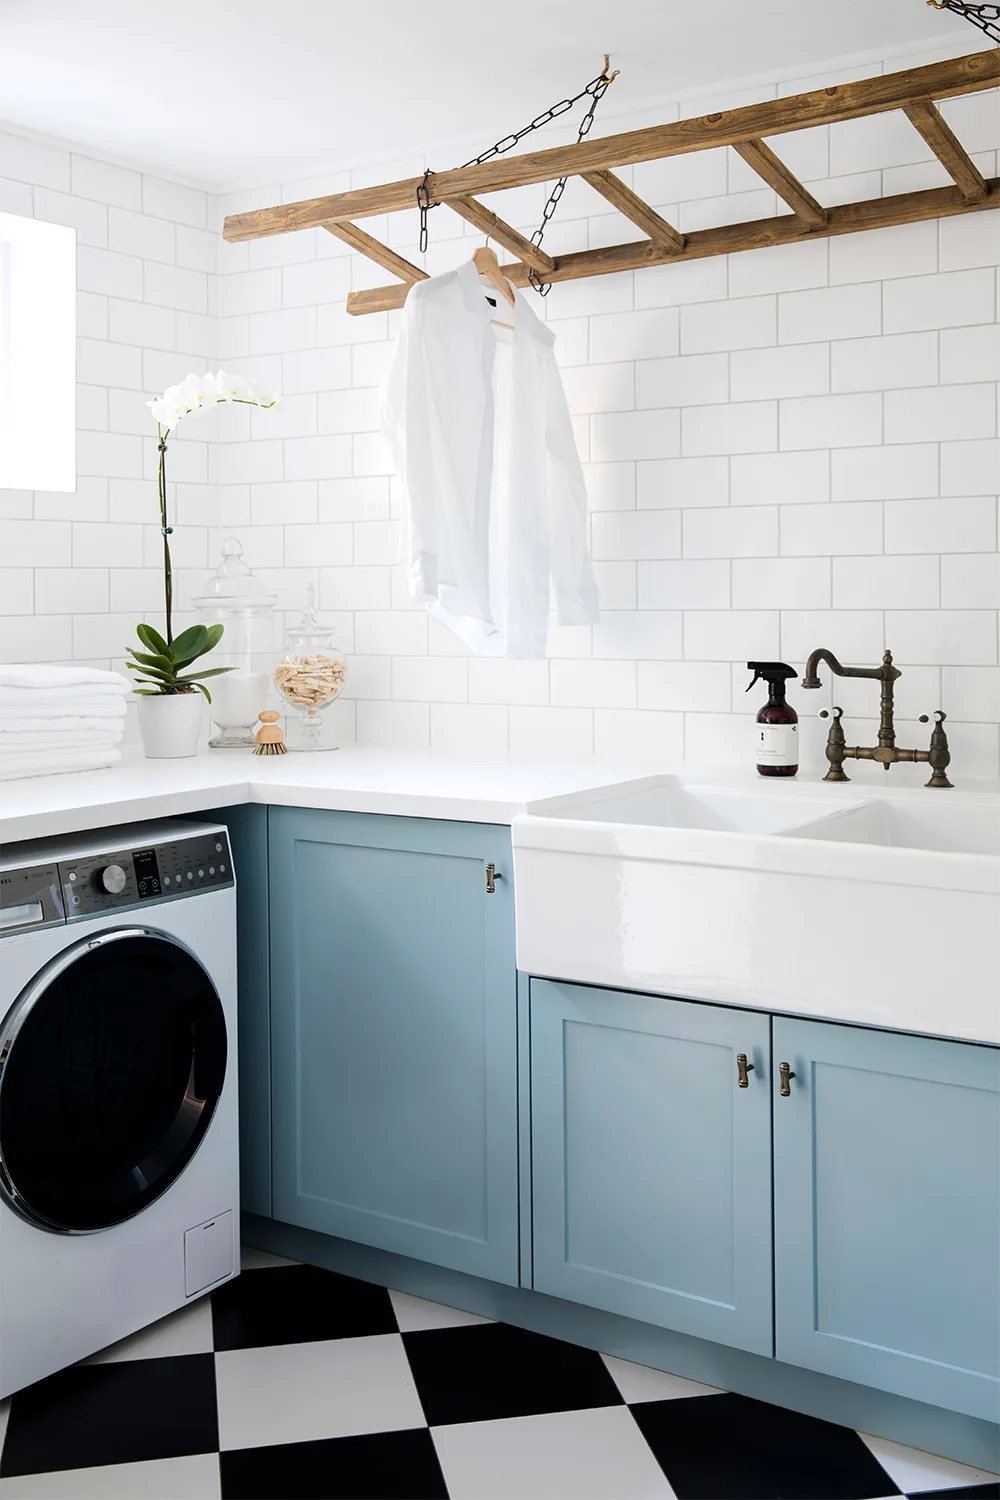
(480, 432)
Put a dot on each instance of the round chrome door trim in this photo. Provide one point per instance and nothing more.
(15, 1019)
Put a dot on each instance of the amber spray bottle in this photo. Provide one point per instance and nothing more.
(777, 732)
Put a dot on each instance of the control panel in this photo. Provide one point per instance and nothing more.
(64, 890)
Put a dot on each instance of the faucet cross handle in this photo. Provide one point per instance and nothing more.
(835, 744)
(939, 755)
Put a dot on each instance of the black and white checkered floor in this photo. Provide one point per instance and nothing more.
(292, 1382)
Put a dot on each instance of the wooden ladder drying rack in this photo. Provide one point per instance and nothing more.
(914, 91)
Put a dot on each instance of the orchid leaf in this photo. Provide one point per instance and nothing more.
(191, 643)
(152, 639)
(163, 662)
(210, 672)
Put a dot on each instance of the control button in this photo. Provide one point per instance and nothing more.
(190, 874)
(218, 848)
(201, 874)
(72, 874)
(222, 869)
(112, 879)
(211, 869)
(76, 901)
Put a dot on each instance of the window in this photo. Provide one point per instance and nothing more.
(37, 355)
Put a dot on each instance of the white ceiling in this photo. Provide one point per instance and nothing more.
(251, 91)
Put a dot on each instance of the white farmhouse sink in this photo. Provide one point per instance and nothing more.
(825, 901)
(945, 829)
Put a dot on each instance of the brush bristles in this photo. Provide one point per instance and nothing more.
(270, 750)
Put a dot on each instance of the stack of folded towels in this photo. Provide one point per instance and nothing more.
(59, 719)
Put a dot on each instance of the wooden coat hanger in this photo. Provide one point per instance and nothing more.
(485, 261)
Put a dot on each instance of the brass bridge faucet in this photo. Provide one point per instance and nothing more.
(885, 752)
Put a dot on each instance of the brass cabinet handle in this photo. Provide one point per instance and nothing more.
(492, 876)
(785, 1073)
(742, 1069)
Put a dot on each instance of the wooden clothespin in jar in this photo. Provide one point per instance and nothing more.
(485, 261)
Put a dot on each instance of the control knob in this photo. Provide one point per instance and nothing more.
(112, 879)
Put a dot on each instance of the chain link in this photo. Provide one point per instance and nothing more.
(986, 17)
(596, 89)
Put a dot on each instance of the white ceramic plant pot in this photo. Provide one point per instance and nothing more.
(170, 724)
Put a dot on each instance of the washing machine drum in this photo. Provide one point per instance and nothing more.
(112, 1062)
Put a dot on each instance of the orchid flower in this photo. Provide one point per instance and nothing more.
(196, 393)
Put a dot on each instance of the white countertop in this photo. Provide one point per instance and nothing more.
(350, 780)
(409, 783)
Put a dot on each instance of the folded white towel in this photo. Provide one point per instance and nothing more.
(43, 763)
(47, 675)
(15, 722)
(20, 744)
(38, 701)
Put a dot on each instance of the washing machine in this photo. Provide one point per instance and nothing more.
(119, 1150)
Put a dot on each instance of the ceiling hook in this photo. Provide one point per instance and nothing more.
(614, 75)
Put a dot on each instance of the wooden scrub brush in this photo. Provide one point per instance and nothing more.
(270, 740)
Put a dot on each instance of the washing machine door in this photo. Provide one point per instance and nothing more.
(112, 1062)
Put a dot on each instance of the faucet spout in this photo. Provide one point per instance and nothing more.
(811, 680)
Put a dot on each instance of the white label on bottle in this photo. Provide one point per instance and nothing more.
(777, 744)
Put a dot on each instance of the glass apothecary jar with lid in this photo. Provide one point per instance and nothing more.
(309, 677)
(238, 600)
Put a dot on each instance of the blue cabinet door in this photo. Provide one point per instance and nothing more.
(651, 1166)
(393, 1036)
(887, 1212)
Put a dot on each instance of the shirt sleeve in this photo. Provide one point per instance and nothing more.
(404, 424)
(574, 585)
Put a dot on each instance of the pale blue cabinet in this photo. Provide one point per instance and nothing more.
(887, 1212)
(393, 1035)
(651, 1166)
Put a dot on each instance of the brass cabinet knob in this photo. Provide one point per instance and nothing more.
(785, 1074)
(492, 876)
(743, 1068)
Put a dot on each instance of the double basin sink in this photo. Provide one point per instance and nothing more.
(822, 901)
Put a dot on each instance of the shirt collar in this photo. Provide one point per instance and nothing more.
(527, 319)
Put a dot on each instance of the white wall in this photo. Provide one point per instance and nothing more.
(78, 570)
(785, 448)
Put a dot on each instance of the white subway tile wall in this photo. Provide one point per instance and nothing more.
(783, 449)
(77, 571)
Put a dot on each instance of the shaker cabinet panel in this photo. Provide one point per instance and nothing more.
(650, 1164)
(887, 1212)
(393, 1035)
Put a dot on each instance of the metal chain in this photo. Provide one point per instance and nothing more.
(596, 88)
(986, 17)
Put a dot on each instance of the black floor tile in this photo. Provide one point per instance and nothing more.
(113, 1414)
(297, 1305)
(989, 1491)
(477, 1374)
(378, 1466)
(729, 1447)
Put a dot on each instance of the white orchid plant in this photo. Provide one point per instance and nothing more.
(162, 667)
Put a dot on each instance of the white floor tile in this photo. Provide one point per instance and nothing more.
(413, 1314)
(912, 1470)
(252, 1259)
(294, 1393)
(641, 1383)
(188, 1331)
(569, 1455)
(194, 1478)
